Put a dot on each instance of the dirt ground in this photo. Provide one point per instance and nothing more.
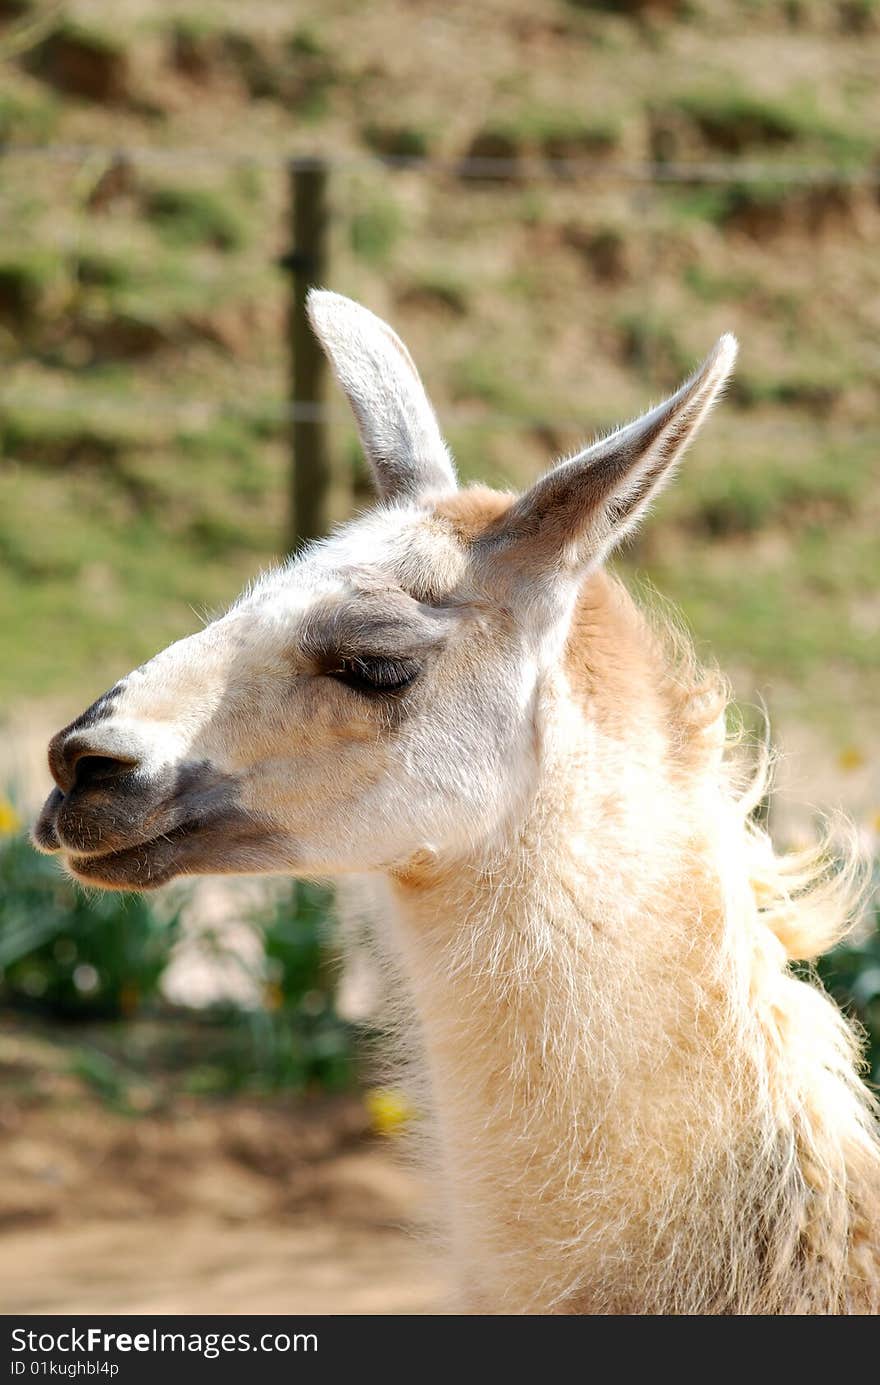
(238, 1207)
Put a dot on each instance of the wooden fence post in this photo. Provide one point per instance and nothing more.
(311, 476)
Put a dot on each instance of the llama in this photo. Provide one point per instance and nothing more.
(636, 1106)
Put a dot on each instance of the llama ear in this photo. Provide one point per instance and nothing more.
(576, 514)
(395, 420)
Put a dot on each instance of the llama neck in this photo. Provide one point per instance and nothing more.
(547, 983)
(636, 1107)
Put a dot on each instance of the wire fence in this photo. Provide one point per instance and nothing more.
(489, 168)
(180, 410)
(306, 412)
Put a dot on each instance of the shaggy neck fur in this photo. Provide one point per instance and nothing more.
(638, 1109)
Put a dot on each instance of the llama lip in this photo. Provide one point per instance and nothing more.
(136, 834)
(144, 866)
(44, 833)
(228, 842)
(132, 821)
(92, 830)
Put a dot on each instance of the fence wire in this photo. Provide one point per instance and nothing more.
(184, 411)
(509, 171)
(513, 169)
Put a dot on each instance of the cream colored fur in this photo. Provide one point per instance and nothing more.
(639, 1109)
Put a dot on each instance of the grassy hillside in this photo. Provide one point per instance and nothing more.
(142, 307)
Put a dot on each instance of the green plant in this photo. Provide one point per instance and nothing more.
(858, 16)
(61, 439)
(397, 141)
(195, 216)
(82, 61)
(95, 269)
(437, 287)
(305, 42)
(299, 1038)
(311, 74)
(26, 117)
(650, 343)
(713, 287)
(26, 276)
(374, 229)
(71, 954)
(556, 132)
(734, 120)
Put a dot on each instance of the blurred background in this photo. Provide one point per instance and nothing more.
(560, 206)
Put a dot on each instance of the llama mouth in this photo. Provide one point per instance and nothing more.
(231, 842)
(139, 836)
(144, 866)
(135, 834)
(136, 858)
(44, 833)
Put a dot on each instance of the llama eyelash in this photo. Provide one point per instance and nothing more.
(374, 674)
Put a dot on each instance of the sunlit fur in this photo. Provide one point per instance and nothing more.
(636, 1106)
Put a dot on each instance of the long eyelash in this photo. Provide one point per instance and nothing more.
(375, 674)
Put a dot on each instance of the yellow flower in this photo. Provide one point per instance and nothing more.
(129, 999)
(10, 822)
(388, 1109)
(273, 996)
(851, 758)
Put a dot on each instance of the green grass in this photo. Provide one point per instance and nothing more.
(859, 16)
(72, 954)
(27, 274)
(650, 344)
(58, 438)
(194, 26)
(99, 38)
(562, 131)
(736, 501)
(734, 120)
(713, 286)
(153, 538)
(808, 383)
(311, 72)
(104, 305)
(786, 627)
(722, 203)
(188, 217)
(398, 140)
(27, 117)
(105, 596)
(438, 286)
(484, 375)
(556, 132)
(97, 269)
(765, 558)
(374, 227)
(98, 959)
(306, 42)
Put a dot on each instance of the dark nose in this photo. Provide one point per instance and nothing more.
(77, 765)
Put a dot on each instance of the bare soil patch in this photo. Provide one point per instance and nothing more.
(279, 1206)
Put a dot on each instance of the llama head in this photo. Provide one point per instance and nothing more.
(372, 699)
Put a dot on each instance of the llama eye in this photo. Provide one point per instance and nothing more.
(375, 673)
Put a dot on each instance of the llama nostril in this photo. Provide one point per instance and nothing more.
(75, 765)
(98, 769)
